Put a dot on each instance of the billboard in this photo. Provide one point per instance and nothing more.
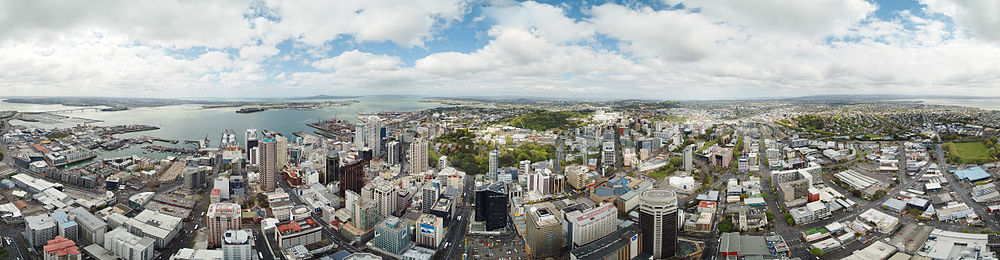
(427, 230)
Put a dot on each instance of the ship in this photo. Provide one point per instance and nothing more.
(246, 110)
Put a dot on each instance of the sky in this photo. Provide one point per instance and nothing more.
(667, 49)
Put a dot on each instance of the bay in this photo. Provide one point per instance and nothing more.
(192, 122)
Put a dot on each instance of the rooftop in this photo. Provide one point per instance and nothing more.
(61, 246)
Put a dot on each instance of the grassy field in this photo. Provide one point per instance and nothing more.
(970, 151)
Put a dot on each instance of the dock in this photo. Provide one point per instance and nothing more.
(157, 148)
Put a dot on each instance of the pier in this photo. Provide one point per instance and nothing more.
(157, 148)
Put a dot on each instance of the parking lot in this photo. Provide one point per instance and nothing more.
(496, 247)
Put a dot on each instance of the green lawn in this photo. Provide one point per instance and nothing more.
(970, 151)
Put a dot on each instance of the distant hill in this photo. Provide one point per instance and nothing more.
(322, 97)
(876, 97)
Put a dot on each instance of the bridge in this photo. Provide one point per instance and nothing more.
(73, 110)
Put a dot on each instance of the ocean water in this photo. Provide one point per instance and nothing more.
(982, 103)
(191, 122)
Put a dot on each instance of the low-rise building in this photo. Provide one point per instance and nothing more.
(296, 233)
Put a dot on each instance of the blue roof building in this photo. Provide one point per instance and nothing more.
(972, 174)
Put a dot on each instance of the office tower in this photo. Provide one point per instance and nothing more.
(250, 144)
(524, 168)
(91, 229)
(385, 196)
(236, 245)
(589, 225)
(492, 205)
(688, 157)
(222, 184)
(373, 132)
(619, 159)
(282, 151)
(428, 196)
(254, 156)
(352, 176)
(658, 220)
(544, 232)
(556, 162)
(392, 234)
(61, 248)
(332, 173)
(127, 246)
(267, 164)
(430, 231)
(39, 229)
(394, 153)
(494, 165)
(359, 135)
(607, 156)
(418, 156)
(220, 218)
(365, 213)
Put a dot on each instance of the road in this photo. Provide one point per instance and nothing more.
(457, 230)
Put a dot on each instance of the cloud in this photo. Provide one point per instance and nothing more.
(813, 19)
(670, 34)
(358, 61)
(982, 17)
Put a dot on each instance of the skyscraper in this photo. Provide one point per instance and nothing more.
(556, 167)
(221, 217)
(544, 234)
(250, 143)
(394, 153)
(492, 206)
(418, 156)
(494, 165)
(359, 135)
(688, 157)
(352, 176)
(267, 164)
(658, 220)
(332, 173)
(373, 135)
(385, 196)
(282, 151)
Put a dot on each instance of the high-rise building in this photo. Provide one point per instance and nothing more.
(588, 225)
(494, 165)
(385, 196)
(221, 217)
(282, 151)
(39, 229)
(352, 176)
(250, 144)
(359, 135)
(418, 156)
(373, 135)
(430, 230)
(61, 248)
(524, 168)
(492, 206)
(65, 226)
(237, 245)
(91, 229)
(332, 173)
(688, 157)
(556, 167)
(127, 246)
(394, 153)
(607, 155)
(429, 196)
(658, 220)
(267, 164)
(544, 232)
(392, 234)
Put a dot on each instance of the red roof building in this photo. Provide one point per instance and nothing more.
(61, 248)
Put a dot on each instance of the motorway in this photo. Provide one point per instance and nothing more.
(457, 230)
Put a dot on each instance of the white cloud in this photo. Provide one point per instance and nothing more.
(814, 18)
(671, 34)
(549, 22)
(982, 17)
(406, 23)
(258, 53)
(358, 61)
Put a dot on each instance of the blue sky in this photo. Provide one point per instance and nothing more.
(669, 49)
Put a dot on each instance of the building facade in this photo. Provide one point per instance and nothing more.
(658, 220)
(392, 235)
(267, 164)
(220, 218)
(492, 205)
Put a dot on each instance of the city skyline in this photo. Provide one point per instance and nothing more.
(672, 49)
